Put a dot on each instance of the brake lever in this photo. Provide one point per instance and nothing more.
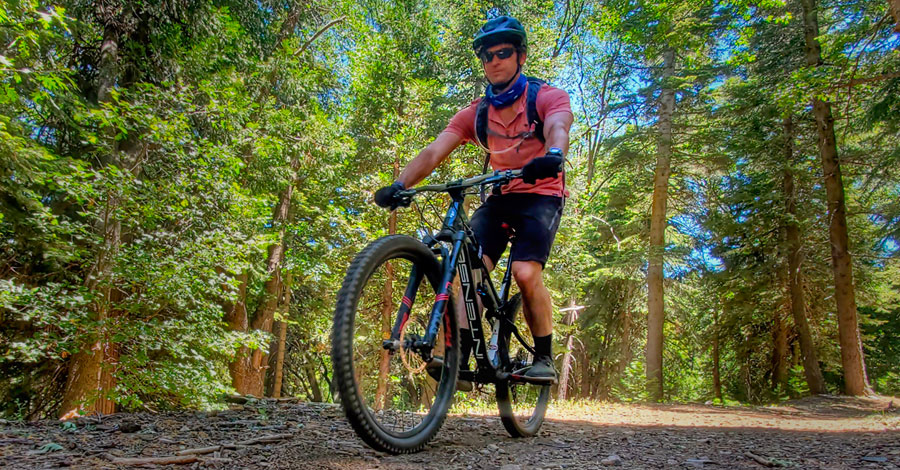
(403, 198)
(401, 202)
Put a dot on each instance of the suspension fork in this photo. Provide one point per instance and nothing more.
(442, 299)
(409, 296)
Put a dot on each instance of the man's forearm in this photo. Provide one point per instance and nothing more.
(418, 169)
(428, 159)
(558, 136)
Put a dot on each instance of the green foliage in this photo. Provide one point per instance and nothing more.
(130, 209)
(880, 328)
(48, 447)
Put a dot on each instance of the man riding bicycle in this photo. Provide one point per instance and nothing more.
(532, 206)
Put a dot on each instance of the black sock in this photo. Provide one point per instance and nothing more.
(465, 347)
(542, 345)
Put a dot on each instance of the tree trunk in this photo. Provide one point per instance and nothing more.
(387, 311)
(717, 380)
(597, 382)
(251, 369)
(569, 320)
(743, 357)
(90, 379)
(584, 382)
(248, 371)
(655, 306)
(855, 381)
(563, 390)
(301, 379)
(264, 319)
(895, 12)
(814, 379)
(279, 359)
(236, 319)
(90, 375)
(285, 309)
(779, 351)
(625, 340)
(310, 370)
(780, 329)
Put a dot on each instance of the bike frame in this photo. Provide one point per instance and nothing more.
(462, 258)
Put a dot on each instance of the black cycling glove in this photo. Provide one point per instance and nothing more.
(547, 166)
(384, 197)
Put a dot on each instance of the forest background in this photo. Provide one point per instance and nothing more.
(183, 184)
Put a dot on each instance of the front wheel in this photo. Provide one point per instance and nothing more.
(390, 400)
(522, 405)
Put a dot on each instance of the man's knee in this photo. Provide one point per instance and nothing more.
(528, 275)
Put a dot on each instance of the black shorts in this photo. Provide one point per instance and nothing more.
(533, 217)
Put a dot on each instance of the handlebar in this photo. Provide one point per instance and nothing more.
(497, 177)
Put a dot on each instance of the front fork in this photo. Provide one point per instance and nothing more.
(424, 346)
(392, 344)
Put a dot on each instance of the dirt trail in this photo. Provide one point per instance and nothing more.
(819, 432)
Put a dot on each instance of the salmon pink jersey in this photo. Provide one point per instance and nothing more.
(510, 152)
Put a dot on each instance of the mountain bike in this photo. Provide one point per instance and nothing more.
(390, 399)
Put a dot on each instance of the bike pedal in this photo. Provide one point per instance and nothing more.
(464, 378)
(464, 385)
(517, 378)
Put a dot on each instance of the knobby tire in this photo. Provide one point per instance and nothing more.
(362, 418)
(522, 406)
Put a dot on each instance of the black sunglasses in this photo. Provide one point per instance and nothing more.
(505, 53)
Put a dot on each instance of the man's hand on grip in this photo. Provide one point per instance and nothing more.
(385, 197)
(547, 166)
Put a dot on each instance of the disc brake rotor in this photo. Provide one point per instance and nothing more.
(405, 359)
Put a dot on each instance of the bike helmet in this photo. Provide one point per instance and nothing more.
(500, 30)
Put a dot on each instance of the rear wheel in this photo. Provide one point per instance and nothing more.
(522, 405)
(390, 400)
